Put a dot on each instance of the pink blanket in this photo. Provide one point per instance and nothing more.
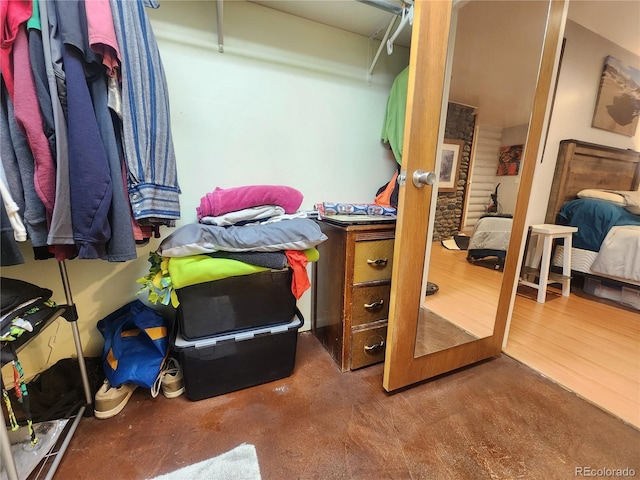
(222, 201)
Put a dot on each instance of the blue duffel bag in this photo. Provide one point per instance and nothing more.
(136, 343)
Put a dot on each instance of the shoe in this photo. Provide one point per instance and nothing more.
(110, 401)
(170, 379)
(431, 289)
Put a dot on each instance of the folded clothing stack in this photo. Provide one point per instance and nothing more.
(235, 277)
(237, 227)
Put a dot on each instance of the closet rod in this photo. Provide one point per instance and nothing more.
(387, 6)
(219, 21)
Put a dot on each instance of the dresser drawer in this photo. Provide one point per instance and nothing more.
(373, 260)
(368, 346)
(370, 303)
(351, 291)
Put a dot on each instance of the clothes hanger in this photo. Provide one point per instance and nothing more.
(406, 17)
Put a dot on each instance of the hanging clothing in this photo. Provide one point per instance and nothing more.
(102, 34)
(12, 210)
(18, 165)
(91, 169)
(87, 158)
(146, 132)
(10, 253)
(39, 71)
(387, 195)
(104, 216)
(12, 229)
(61, 228)
(121, 246)
(29, 118)
(393, 126)
(13, 14)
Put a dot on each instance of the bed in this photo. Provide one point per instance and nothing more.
(489, 240)
(595, 188)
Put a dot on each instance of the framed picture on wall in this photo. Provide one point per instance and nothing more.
(618, 102)
(450, 165)
(509, 160)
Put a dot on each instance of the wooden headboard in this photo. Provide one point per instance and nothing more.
(584, 165)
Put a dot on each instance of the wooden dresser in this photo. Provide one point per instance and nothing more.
(351, 291)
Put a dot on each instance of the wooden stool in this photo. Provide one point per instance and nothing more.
(542, 257)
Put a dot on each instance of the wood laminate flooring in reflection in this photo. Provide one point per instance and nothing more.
(495, 420)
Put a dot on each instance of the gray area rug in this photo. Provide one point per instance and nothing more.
(241, 463)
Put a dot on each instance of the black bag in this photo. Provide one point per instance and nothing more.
(58, 392)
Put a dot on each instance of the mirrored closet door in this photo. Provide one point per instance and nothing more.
(498, 59)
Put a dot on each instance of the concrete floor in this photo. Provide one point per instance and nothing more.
(495, 420)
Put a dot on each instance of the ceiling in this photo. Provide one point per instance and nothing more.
(350, 15)
(497, 77)
(616, 20)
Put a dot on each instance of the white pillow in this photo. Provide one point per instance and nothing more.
(198, 238)
(605, 195)
(633, 200)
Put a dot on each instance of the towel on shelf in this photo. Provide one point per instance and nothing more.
(246, 215)
(222, 201)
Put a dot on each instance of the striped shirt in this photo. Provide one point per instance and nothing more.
(146, 124)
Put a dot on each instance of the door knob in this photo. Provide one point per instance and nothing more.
(422, 178)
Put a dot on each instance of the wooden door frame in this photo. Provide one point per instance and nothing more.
(428, 60)
(467, 189)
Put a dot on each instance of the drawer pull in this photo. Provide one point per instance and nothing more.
(378, 262)
(374, 347)
(377, 304)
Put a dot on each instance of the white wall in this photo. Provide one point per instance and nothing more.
(287, 103)
(574, 105)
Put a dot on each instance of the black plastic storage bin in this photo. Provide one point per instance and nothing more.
(230, 362)
(236, 303)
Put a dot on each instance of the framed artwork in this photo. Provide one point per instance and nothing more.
(450, 165)
(618, 102)
(509, 160)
